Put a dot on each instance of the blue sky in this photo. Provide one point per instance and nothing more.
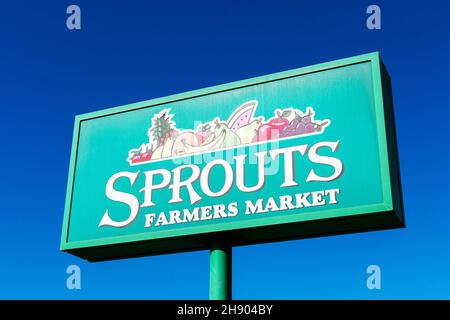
(136, 50)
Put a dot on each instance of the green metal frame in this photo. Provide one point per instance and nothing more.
(387, 214)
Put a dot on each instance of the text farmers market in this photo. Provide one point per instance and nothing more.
(186, 176)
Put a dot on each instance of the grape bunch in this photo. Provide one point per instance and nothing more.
(302, 125)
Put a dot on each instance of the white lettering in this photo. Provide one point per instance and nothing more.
(120, 196)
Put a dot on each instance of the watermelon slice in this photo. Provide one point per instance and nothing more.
(242, 116)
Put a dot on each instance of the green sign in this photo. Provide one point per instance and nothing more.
(295, 154)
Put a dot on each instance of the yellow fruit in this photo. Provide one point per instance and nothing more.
(157, 153)
(185, 137)
(248, 132)
(167, 148)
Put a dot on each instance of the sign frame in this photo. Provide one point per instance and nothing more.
(388, 214)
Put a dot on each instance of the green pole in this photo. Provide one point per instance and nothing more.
(220, 272)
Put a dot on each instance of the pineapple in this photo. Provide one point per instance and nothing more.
(162, 129)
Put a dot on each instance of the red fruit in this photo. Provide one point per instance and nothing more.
(136, 158)
(201, 136)
(141, 157)
(268, 132)
(146, 156)
(264, 132)
(279, 123)
(203, 132)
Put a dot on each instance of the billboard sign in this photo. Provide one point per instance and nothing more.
(295, 154)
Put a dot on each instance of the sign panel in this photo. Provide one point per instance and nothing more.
(294, 154)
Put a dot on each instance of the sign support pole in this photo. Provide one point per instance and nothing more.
(220, 272)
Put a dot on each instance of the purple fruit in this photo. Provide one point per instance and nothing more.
(301, 128)
(294, 123)
(306, 119)
(309, 128)
(289, 132)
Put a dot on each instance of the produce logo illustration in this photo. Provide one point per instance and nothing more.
(165, 140)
